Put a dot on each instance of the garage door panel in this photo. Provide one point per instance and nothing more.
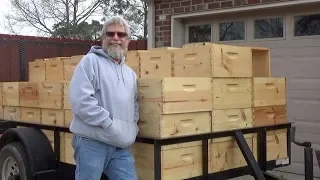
(301, 67)
(278, 67)
(304, 84)
(303, 105)
(297, 43)
(306, 66)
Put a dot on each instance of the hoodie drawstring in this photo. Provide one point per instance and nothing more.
(115, 65)
(122, 76)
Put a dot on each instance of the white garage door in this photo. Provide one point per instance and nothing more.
(294, 39)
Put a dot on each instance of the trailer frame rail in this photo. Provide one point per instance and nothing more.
(257, 168)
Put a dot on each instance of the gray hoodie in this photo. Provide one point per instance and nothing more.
(103, 97)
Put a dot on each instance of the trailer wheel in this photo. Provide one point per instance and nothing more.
(14, 162)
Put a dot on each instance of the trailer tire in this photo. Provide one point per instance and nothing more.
(14, 153)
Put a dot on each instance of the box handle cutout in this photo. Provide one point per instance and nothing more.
(186, 122)
(233, 118)
(155, 58)
(47, 85)
(270, 85)
(188, 158)
(30, 114)
(190, 56)
(189, 87)
(270, 114)
(232, 87)
(53, 65)
(142, 124)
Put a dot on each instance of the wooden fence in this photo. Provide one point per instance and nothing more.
(16, 51)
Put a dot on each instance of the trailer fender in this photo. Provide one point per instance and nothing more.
(40, 153)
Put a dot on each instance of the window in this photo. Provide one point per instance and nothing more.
(200, 33)
(268, 28)
(231, 31)
(307, 25)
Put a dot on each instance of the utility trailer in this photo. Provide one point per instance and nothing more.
(26, 153)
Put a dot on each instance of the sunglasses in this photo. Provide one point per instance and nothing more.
(119, 34)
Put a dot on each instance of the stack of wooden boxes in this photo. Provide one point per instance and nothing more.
(200, 88)
(43, 99)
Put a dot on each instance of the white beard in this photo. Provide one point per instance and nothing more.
(115, 51)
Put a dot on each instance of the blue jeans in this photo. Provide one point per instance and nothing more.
(93, 158)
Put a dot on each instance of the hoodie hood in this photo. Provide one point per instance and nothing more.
(100, 51)
(118, 68)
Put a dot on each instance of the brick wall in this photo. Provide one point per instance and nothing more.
(170, 7)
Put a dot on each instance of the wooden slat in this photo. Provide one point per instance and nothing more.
(230, 93)
(12, 113)
(269, 91)
(175, 95)
(11, 94)
(225, 154)
(173, 125)
(276, 144)
(66, 97)
(52, 117)
(29, 94)
(227, 119)
(31, 115)
(213, 60)
(69, 65)
(269, 115)
(51, 95)
(37, 70)
(155, 63)
(179, 161)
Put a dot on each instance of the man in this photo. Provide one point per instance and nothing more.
(103, 94)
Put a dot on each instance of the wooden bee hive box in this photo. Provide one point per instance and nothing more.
(225, 154)
(69, 151)
(12, 113)
(269, 115)
(37, 71)
(276, 144)
(31, 115)
(55, 68)
(231, 93)
(52, 117)
(227, 119)
(51, 95)
(69, 66)
(133, 60)
(1, 112)
(213, 60)
(10, 94)
(66, 97)
(157, 125)
(67, 118)
(155, 63)
(178, 161)
(176, 95)
(29, 94)
(260, 60)
(269, 91)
